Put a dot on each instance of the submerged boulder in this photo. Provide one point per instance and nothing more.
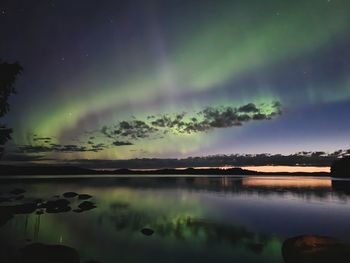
(70, 194)
(56, 206)
(314, 249)
(85, 206)
(147, 231)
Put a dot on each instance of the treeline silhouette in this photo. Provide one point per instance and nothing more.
(8, 75)
(316, 158)
(72, 170)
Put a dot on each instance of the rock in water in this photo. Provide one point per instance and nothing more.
(86, 205)
(147, 231)
(56, 206)
(41, 253)
(314, 249)
(70, 194)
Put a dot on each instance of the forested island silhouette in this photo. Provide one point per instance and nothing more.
(72, 170)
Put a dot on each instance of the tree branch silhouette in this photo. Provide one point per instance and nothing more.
(8, 75)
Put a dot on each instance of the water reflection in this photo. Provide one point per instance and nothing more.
(287, 182)
(204, 219)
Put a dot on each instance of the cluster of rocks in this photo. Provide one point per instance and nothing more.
(37, 252)
(55, 205)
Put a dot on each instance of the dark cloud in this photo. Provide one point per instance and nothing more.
(45, 139)
(135, 129)
(45, 145)
(220, 118)
(121, 143)
(98, 147)
(250, 107)
(125, 133)
(261, 116)
(59, 148)
(216, 117)
(208, 119)
(18, 157)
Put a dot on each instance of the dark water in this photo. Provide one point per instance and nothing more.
(193, 219)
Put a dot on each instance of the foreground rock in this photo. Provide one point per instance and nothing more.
(341, 168)
(85, 206)
(70, 194)
(40, 206)
(315, 249)
(41, 253)
(147, 231)
(56, 206)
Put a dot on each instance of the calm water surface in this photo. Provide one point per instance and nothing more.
(194, 219)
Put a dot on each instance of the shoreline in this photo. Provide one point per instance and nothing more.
(29, 171)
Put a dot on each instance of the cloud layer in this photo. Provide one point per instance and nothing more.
(59, 148)
(130, 132)
(208, 119)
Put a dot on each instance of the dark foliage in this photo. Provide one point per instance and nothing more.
(8, 75)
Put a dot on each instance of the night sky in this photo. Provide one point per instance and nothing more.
(172, 79)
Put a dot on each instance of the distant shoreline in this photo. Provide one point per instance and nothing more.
(7, 170)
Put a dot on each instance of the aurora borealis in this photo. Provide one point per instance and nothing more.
(171, 79)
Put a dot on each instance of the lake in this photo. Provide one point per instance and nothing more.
(173, 219)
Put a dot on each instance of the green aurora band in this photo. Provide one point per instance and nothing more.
(209, 49)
